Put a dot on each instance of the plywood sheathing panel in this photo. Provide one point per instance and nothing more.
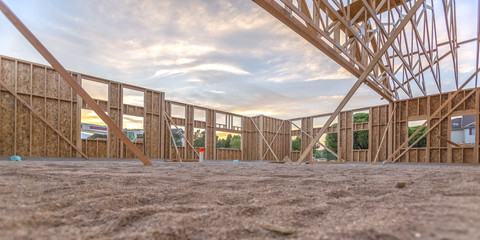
(38, 131)
(51, 138)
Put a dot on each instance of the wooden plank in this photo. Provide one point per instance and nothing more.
(22, 126)
(72, 82)
(173, 140)
(448, 141)
(385, 134)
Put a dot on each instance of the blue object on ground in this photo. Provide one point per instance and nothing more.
(235, 160)
(16, 158)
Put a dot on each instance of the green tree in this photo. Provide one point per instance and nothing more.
(199, 138)
(178, 139)
(331, 141)
(236, 142)
(422, 142)
(220, 143)
(97, 136)
(360, 139)
(360, 117)
(228, 141)
(297, 144)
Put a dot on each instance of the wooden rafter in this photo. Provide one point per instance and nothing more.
(360, 80)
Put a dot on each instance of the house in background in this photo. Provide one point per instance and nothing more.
(93, 131)
(463, 129)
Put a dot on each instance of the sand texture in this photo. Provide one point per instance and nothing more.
(124, 200)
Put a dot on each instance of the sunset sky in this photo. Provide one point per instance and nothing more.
(230, 55)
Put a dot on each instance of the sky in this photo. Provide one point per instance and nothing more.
(228, 55)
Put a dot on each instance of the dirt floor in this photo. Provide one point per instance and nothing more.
(122, 199)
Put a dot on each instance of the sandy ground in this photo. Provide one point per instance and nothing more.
(122, 199)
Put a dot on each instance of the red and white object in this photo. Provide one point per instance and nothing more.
(201, 155)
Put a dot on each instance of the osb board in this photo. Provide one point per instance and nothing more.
(375, 120)
(38, 131)
(360, 156)
(435, 103)
(295, 155)
(200, 124)
(7, 120)
(114, 141)
(422, 155)
(65, 118)
(402, 111)
(148, 101)
(23, 78)
(434, 140)
(23, 129)
(156, 103)
(178, 122)
(435, 155)
(412, 155)
(148, 135)
(132, 110)
(155, 140)
(412, 107)
(65, 91)
(228, 154)
(360, 126)
(103, 105)
(469, 155)
(423, 106)
(457, 155)
(52, 84)
(102, 149)
(129, 154)
(38, 81)
(181, 151)
(443, 155)
(91, 148)
(52, 137)
(8, 73)
(95, 148)
(75, 128)
(114, 95)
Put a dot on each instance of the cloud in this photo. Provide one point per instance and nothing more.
(219, 67)
(229, 55)
(217, 92)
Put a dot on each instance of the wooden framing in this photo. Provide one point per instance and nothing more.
(41, 87)
(40, 106)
